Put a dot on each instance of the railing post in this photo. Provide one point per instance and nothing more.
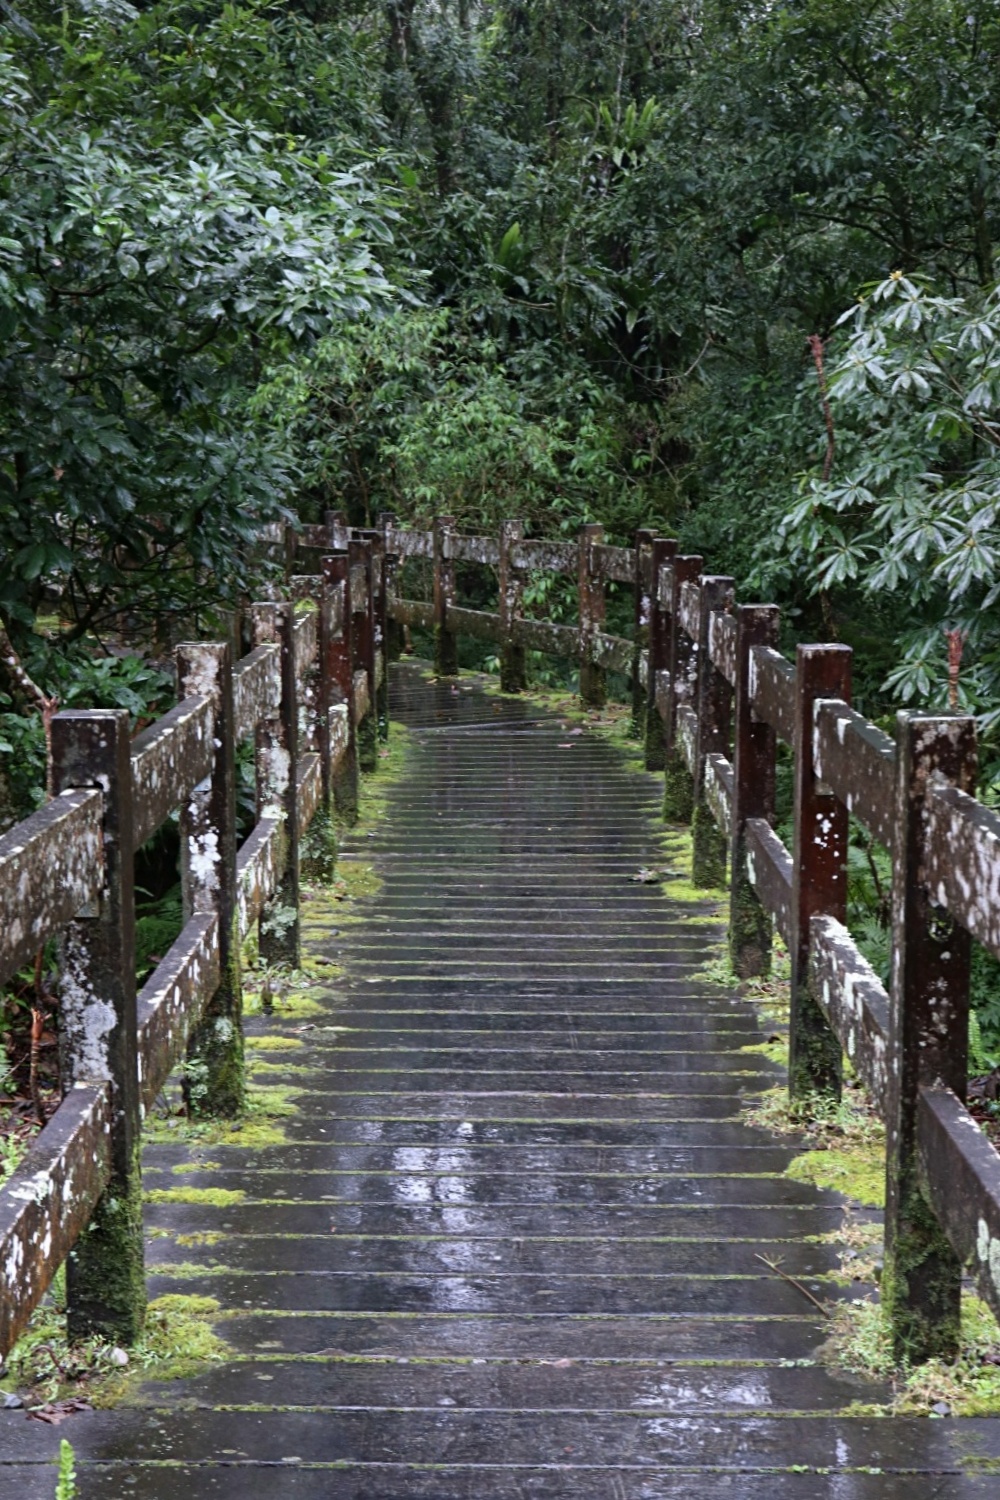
(363, 641)
(593, 688)
(750, 925)
(290, 547)
(678, 783)
(660, 647)
(445, 640)
(277, 787)
(378, 613)
(819, 872)
(928, 1041)
(512, 669)
(642, 590)
(337, 673)
(394, 638)
(337, 530)
(214, 1079)
(714, 707)
(105, 1277)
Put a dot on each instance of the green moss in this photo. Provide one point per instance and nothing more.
(259, 1126)
(197, 1165)
(717, 971)
(861, 1341)
(273, 1042)
(393, 762)
(776, 1051)
(318, 849)
(261, 1067)
(217, 1197)
(178, 1340)
(355, 879)
(105, 1272)
(857, 1171)
(214, 1079)
(202, 1237)
(287, 994)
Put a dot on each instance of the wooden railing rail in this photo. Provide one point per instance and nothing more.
(307, 694)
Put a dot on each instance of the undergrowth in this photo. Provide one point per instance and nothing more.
(178, 1340)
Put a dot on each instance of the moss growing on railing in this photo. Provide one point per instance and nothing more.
(709, 849)
(105, 1271)
(678, 789)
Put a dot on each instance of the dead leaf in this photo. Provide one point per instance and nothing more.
(55, 1412)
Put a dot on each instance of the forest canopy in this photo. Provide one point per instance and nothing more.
(726, 270)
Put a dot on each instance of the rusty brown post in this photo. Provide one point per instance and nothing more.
(714, 707)
(513, 678)
(363, 643)
(214, 1079)
(593, 687)
(338, 675)
(819, 872)
(750, 925)
(445, 640)
(277, 745)
(105, 1278)
(678, 783)
(390, 563)
(660, 639)
(928, 1041)
(642, 541)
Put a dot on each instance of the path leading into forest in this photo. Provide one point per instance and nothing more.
(510, 1248)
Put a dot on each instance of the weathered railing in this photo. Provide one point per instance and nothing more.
(715, 697)
(307, 694)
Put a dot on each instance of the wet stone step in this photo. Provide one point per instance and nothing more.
(546, 1335)
(460, 1155)
(691, 1028)
(517, 1385)
(689, 1139)
(467, 1255)
(842, 1443)
(466, 1188)
(621, 1292)
(575, 1082)
(358, 1029)
(425, 1215)
(581, 992)
(511, 1104)
(293, 1480)
(350, 1056)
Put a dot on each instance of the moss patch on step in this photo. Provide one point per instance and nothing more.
(216, 1197)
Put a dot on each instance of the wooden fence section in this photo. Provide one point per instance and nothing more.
(307, 695)
(713, 696)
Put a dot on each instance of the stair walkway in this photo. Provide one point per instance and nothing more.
(510, 1249)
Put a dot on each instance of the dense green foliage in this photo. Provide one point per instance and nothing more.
(509, 257)
(513, 257)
